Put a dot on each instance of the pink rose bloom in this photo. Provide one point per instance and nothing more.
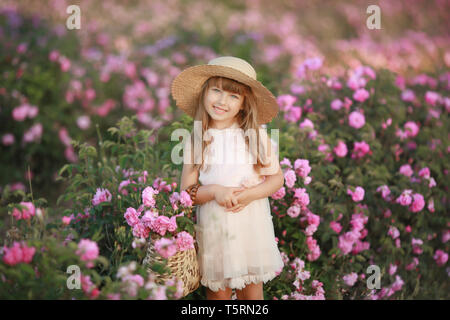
(302, 168)
(25, 213)
(290, 178)
(306, 124)
(397, 285)
(53, 55)
(360, 150)
(132, 216)
(64, 63)
(408, 95)
(336, 226)
(392, 269)
(161, 224)
(440, 257)
(357, 195)
(385, 191)
(405, 198)
(341, 149)
(424, 173)
(416, 243)
(350, 279)
(431, 205)
(20, 113)
(361, 95)
(66, 220)
(347, 240)
(302, 196)
(432, 97)
(18, 253)
(33, 134)
(166, 247)
(356, 120)
(88, 251)
(147, 196)
(393, 232)
(313, 219)
(336, 104)
(185, 199)
(102, 195)
(140, 231)
(286, 162)
(293, 211)
(184, 241)
(8, 139)
(406, 170)
(411, 129)
(279, 194)
(84, 122)
(286, 101)
(445, 236)
(418, 203)
(293, 114)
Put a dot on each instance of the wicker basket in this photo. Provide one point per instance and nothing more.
(183, 265)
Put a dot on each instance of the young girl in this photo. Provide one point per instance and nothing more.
(234, 229)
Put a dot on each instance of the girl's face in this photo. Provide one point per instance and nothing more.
(222, 106)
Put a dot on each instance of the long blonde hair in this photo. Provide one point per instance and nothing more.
(246, 119)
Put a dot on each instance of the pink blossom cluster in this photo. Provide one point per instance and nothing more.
(351, 240)
(102, 195)
(440, 257)
(301, 275)
(24, 111)
(184, 199)
(414, 201)
(167, 247)
(389, 291)
(18, 253)
(25, 213)
(356, 119)
(63, 61)
(350, 279)
(338, 104)
(88, 251)
(33, 134)
(359, 78)
(64, 137)
(340, 149)
(357, 195)
(148, 197)
(89, 289)
(123, 184)
(360, 149)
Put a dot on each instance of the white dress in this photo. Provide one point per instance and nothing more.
(236, 249)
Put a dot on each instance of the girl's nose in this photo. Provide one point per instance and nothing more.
(223, 98)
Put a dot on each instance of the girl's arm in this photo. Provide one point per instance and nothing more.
(265, 189)
(189, 176)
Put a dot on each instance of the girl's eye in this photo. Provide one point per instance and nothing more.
(216, 90)
(235, 96)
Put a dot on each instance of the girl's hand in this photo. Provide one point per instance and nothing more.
(226, 196)
(243, 198)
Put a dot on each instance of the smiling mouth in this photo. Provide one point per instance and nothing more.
(219, 110)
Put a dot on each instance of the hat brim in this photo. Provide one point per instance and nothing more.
(187, 85)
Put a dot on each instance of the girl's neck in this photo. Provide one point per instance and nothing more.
(222, 126)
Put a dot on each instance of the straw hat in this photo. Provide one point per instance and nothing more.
(187, 85)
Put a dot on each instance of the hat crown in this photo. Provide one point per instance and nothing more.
(235, 63)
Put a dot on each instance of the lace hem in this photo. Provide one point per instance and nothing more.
(237, 283)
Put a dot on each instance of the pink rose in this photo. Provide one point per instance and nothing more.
(360, 150)
(290, 178)
(336, 104)
(341, 149)
(361, 95)
(279, 194)
(25, 213)
(440, 257)
(356, 120)
(357, 195)
(166, 247)
(184, 241)
(393, 232)
(405, 198)
(140, 231)
(350, 279)
(132, 216)
(88, 251)
(411, 129)
(185, 199)
(336, 226)
(147, 196)
(293, 211)
(406, 170)
(302, 168)
(18, 253)
(418, 203)
(102, 195)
